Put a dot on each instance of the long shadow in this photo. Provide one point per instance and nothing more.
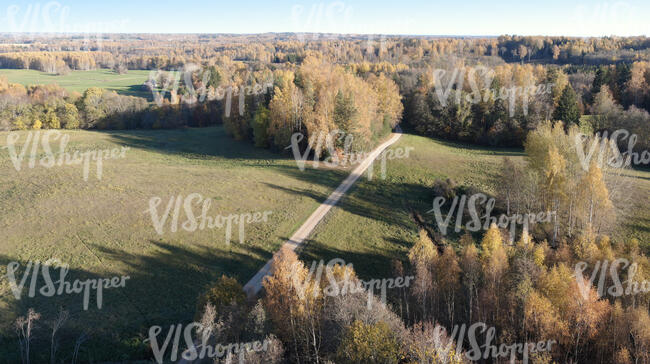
(375, 199)
(193, 142)
(134, 90)
(479, 148)
(103, 327)
(367, 266)
(162, 289)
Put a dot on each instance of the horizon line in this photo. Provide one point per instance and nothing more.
(61, 33)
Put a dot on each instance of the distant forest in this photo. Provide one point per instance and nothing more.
(361, 85)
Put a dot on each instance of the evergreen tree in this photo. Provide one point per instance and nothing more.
(214, 78)
(602, 78)
(567, 109)
(344, 112)
(260, 126)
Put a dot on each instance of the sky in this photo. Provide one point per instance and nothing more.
(413, 17)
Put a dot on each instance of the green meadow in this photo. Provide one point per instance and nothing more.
(101, 227)
(129, 84)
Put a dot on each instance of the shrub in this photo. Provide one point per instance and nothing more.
(444, 188)
(369, 344)
(225, 292)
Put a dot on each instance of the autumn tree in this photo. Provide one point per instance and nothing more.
(471, 274)
(369, 344)
(293, 302)
(494, 260)
(447, 279)
(595, 207)
(423, 256)
(604, 109)
(260, 127)
(69, 116)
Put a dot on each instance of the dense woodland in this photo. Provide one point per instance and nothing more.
(525, 288)
(376, 82)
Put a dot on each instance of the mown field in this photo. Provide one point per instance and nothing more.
(100, 228)
(373, 224)
(129, 84)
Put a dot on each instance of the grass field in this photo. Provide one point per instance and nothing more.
(128, 84)
(373, 225)
(100, 228)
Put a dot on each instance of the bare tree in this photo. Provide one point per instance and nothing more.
(77, 345)
(24, 326)
(55, 325)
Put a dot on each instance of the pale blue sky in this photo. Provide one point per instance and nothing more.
(433, 17)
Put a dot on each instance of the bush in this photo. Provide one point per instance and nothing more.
(444, 189)
(225, 292)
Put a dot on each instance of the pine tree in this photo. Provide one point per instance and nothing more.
(602, 78)
(567, 109)
(345, 112)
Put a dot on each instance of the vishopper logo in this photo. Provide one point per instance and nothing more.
(52, 19)
(628, 287)
(328, 143)
(62, 157)
(346, 285)
(200, 351)
(608, 151)
(332, 16)
(202, 221)
(48, 18)
(162, 83)
(607, 18)
(49, 289)
(481, 339)
(480, 81)
(482, 221)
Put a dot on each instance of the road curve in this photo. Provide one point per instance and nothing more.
(253, 287)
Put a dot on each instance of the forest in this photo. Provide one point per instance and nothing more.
(378, 83)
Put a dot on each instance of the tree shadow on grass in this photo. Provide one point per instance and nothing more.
(477, 148)
(376, 265)
(162, 289)
(133, 90)
(376, 199)
(192, 143)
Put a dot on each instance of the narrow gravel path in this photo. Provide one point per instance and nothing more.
(254, 286)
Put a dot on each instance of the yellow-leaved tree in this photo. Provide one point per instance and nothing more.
(423, 257)
(494, 259)
(294, 302)
(594, 206)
